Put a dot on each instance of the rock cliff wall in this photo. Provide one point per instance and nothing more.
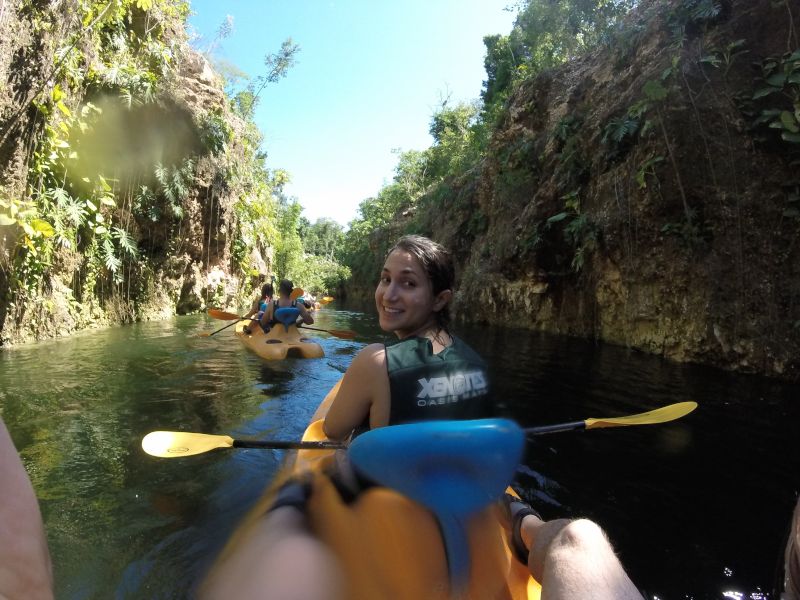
(647, 195)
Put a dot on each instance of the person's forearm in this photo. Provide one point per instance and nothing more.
(25, 568)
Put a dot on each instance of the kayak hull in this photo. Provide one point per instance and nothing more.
(391, 547)
(280, 342)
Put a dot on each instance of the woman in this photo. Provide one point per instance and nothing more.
(284, 300)
(259, 305)
(429, 373)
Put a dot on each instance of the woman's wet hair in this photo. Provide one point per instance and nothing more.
(437, 262)
(267, 291)
(285, 287)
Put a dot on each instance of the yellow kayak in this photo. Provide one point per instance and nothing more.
(280, 342)
(389, 546)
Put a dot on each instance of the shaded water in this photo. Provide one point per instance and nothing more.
(697, 508)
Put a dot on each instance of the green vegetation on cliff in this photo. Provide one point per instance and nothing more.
(133, 175)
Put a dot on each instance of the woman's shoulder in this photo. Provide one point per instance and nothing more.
(373, 353)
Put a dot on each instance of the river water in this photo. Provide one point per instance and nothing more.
(696, 509)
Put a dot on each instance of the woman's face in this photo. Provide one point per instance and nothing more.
(404, 296)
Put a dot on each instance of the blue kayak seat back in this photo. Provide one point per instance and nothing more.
(454, 468)
(287, 315)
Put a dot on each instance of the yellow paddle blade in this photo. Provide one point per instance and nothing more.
(296, 293)
(176, 444)
(659, 415)
(326, 299)
(222, 315)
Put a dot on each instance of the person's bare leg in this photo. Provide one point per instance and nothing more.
(25, 568)
(574, 559)
(279, 559)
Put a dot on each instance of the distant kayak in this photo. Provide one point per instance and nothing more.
(280, 342)
(390, 546)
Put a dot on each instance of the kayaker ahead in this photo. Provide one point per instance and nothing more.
(429, 373)
(260, 305)
(284, 300)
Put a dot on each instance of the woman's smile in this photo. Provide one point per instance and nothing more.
(404, 296)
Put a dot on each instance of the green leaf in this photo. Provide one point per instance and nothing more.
(63, 108)
(91, 205)
(764, 92)
(42, 227)
(791, 137)
(6, 219)
(108, 200)
(794, 78)
(654, 90)
(788, 121)
(777, 80)
(559, 217)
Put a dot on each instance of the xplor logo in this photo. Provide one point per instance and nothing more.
(456, 386)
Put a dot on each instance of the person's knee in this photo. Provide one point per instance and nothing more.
(582, 535)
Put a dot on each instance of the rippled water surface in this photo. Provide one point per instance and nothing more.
(697, 508)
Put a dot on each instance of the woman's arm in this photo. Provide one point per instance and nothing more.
(253, 310)
(305, 314)
(266, 318)
(364, 391)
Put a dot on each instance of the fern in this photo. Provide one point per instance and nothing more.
(162, 175)
(75, 212)
(113, 75)
(59, 196)
(126, 242)
(704, 10)
(109, 256)
(619, 128)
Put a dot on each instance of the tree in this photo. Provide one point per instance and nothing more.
(278, 65)
(501, 61)
(324, 238)
(553, 31)
(289, 249)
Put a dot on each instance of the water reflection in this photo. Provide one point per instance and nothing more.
(126, 525)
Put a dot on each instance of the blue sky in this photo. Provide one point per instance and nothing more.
(369, 75)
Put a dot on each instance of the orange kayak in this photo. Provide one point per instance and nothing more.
(389, 546)
(280, 342)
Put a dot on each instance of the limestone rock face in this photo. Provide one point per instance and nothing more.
(679, 240)
(196, 85)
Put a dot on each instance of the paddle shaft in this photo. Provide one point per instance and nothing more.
(557, 428)
(342, 333)
(223, 328)
(289, 445)
(293, 445)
